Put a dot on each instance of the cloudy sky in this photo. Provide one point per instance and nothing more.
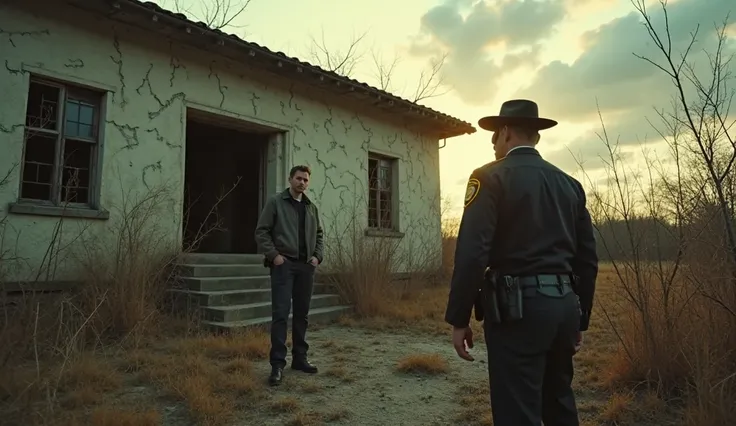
(567, 55)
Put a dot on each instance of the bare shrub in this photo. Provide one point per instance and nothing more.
(370, 269)
(668, 230)
(127, 268)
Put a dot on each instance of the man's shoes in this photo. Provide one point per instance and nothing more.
(304, 366)
(277, 374)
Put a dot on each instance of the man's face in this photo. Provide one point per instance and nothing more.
(299, 182)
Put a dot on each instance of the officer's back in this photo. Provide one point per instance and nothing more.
(539, 205)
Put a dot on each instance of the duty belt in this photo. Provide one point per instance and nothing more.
(546, 283)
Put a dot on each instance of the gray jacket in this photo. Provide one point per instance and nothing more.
(277, 231)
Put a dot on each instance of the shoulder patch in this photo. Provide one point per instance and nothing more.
(471, 191)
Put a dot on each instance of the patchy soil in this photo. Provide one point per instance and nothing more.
(360, 381)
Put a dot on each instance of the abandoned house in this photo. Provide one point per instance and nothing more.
(104, 100)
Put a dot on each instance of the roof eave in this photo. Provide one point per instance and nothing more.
(434, 122)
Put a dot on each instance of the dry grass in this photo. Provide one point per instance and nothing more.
(285, 405)
(676, 347)
(314, 418)
(73, 358)
(115, 417)
(340, 372)
(212, 376)
(474, 401)
(423, 363)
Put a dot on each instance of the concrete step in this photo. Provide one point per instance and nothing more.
(221, 270)
(221, 259)
(226, 283)
(236, 297)
(316, 316)
(233, 313)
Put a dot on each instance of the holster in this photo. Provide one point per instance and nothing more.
(511, 299)
(575, 283)
(489, 297)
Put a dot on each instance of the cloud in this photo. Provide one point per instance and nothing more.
(473, 33)
(609, 71)
(627, 89)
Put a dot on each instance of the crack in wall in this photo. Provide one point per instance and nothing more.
(11, 34)
(155, 167)
(74, 63)
(146, 82)
(12, 129)
(174, 63)
(119, 62)
(220, 87)
(163, 106)
(163, 139)
(13, 71)
(129, 133)
(253, 99)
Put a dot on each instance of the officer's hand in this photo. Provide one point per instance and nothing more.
(278, 260)
(579, 341)
(461, 336)
(314, 261)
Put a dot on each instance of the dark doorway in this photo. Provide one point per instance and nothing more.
(220, 211)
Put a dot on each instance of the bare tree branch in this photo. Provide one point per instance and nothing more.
(216, 14)
(384, 72)
(430, 81)
(339, 62)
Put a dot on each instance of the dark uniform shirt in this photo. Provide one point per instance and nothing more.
(523, 216)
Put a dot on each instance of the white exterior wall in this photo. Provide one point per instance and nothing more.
(149, 89)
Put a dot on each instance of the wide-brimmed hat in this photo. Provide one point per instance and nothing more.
(517, 112)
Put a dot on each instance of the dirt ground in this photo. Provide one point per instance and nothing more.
(360, 383)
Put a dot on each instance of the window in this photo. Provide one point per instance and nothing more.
(380, 193)
(61, 144)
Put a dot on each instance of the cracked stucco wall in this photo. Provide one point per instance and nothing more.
(149, 87)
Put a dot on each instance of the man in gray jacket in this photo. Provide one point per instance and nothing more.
(290, 235)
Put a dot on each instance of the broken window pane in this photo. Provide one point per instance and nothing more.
(38, 166)
(76, 174)
(42, 108)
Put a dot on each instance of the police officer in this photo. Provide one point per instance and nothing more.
(527, 221)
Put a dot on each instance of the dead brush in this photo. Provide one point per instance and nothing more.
(128, 267)
(371, 271)
(51, 344)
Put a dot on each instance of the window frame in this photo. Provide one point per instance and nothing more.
(67, 90)
(392, 166)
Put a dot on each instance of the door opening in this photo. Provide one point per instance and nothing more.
(223, 187)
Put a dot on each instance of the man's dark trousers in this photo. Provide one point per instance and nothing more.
(292, 280)
(530, 364)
